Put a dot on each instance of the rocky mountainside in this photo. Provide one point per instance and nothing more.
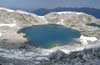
(10, 22)
(13, 45)
(75, 20)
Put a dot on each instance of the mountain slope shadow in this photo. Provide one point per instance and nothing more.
(91, 11)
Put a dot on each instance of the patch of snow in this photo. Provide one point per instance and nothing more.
(9, 10)
(80, 48)
(61, 22)
(9, 25)
(65, 51)
(23, 12)
(63, 12)
(0, 34)
(41, 58)
(47, 51)
(78, 13)
(84, 39)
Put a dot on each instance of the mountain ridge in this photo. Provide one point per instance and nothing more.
(91, 11)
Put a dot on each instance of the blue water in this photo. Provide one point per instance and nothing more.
(47, 36)
(94, 25)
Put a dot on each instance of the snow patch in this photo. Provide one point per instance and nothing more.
(9, 25)
(23, 12)
(48, 51)
(27, 13)
(9, 10)
(42, 58)
(0, 34)
(61, 22)
(65, 51)
(68, 12)
(84, 39)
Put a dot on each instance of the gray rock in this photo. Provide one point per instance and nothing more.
(57, 55)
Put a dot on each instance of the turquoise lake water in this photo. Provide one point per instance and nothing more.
(50, 35)
(94, 25)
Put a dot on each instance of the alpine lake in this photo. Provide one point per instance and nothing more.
(49, 35)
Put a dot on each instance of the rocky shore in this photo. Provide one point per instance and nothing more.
(83, 55)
